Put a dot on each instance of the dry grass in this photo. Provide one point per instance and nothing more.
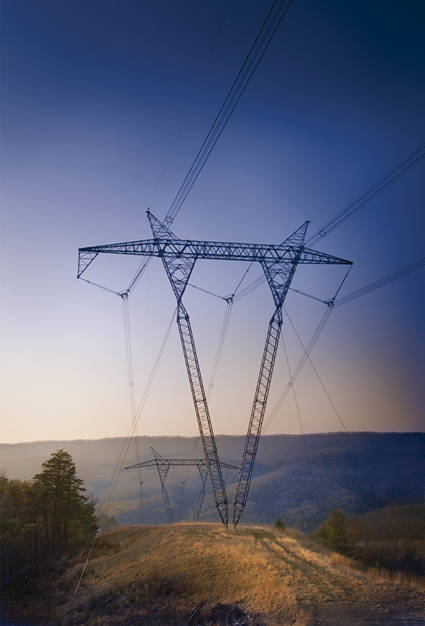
(191, 562)
(380, 574)
(156, 575)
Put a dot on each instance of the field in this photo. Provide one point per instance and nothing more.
(158, 575)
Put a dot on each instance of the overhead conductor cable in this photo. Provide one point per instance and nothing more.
(260, 45)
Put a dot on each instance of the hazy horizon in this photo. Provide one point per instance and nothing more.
(218, 435)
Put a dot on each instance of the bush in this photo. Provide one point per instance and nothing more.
(279, 524)
(334, 532)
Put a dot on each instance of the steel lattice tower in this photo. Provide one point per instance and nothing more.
(179, 256)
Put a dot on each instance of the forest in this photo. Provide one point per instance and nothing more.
(45, 515)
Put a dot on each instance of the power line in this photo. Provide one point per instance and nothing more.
(402, 168)
(380, 283)
(193, 98)
(127, 332)
(299, 367)
(223, 333)
(306, 351)
(290, 384)
(120, 461)
(259, 47)
(364, 290)
(332, 304)
(299, 418)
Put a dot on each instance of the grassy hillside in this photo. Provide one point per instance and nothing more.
(157, 575)
(356, 473)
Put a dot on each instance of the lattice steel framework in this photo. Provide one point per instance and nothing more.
(163, 466)
(179, 256)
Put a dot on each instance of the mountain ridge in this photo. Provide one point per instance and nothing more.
(300, 478)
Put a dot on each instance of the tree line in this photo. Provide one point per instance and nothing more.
(45, 515)
(392, 538)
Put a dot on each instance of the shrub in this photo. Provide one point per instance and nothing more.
(334, 532)
(279, 524)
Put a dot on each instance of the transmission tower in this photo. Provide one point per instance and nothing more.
(179, 256)
(163, 465)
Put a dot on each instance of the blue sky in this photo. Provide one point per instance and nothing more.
(104, 107)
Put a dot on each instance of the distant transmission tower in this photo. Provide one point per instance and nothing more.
(179, 256)
(163, 465)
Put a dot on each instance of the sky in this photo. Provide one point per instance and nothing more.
(105, 105)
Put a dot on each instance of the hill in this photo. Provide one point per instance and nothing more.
(157, 575)
(300, 479)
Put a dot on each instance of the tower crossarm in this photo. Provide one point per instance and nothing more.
(85, 258)
(200, 463)
(169, 248)
(309, 256)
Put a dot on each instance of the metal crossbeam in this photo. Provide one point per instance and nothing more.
(179, 256)
(181, 249)
(200, 463)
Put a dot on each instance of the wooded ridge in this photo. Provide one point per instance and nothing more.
(299, 479)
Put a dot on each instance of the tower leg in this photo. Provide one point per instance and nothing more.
(178, 271)
(202, 414)
(257, 416)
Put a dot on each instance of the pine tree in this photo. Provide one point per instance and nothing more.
(67, 513)
(44, 515)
